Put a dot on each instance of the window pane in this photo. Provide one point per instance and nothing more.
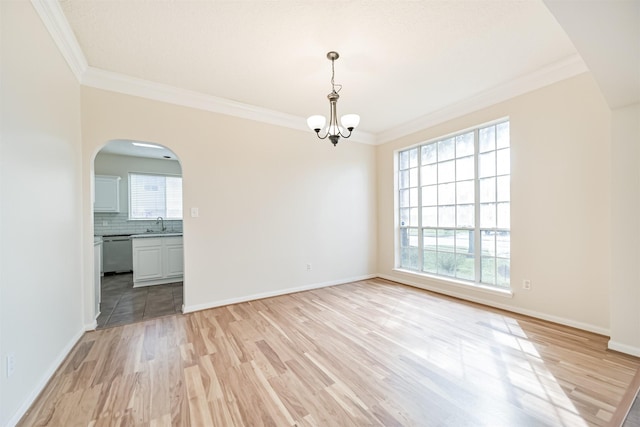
(503, 272)
(429, 154)
(404, 217)
(447, 264)
(487, 139)
(503, 161)
(430, 262)
(429, 174)
(430, 217)
(404, 160)
(429, 239)
(503, 244)
(487, 190)
(447, 194)
(464, 144)
(413, 197)
(464, 168)
(403, 179)
(174, 197)
(446, 240)
(488, 215)
(404, 198)
(413, 158)
(487, 164)
(488, 272)
(502, 131)
(488, 243)
(147, 196)
(447, 216)
(504, 188)
(152, 196)
(447, 171)
(504, 215)
(466, 216)
(409, 248)
(430, 195)
(413, 217)
(446, 149)
(465, 192)
(464, 241)
(413, 177)
(465, 267)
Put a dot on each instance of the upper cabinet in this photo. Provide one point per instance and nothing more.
(107, 194)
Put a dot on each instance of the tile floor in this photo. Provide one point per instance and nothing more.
(633, 418)
(122, 303)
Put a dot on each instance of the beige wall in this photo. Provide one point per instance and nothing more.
(270, 199)
(625, 231)
(40, 216)
(560, 215)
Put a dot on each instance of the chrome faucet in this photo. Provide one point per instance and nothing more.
(161, 221)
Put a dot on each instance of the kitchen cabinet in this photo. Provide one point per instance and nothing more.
(107, 194)
(157, 260)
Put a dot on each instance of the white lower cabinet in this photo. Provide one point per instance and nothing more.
(157, 260)
(174, 262)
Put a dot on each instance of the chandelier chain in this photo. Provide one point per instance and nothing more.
(333, 83)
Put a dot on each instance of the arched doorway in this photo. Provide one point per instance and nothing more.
(138, 220)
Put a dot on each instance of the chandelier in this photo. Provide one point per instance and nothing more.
(349, 121)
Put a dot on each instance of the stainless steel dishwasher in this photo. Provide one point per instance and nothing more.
(116, 254)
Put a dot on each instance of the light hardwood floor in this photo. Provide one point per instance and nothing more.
(367, 353)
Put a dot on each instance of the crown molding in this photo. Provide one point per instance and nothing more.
(116, 82)
(561, 70)
(56, 23)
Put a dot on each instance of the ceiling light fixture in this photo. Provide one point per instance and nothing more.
(349, 121)
(141, 144)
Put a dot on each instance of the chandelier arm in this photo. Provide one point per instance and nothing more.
(322, 137)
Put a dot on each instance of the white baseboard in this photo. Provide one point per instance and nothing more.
(507, 307)
(53, 367)
(91, 326)
(624, 348)
(253, 297)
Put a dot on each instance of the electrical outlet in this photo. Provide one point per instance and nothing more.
(526, 284)
(11, 364)
(308, 267)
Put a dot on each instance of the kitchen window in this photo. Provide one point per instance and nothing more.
(454, 206)
(152, 196)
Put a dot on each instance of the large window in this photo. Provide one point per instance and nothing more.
(151, 196)
(454, 206)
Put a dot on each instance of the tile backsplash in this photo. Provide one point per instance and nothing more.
(119, 223)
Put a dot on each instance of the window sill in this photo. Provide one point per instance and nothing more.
(506, 293)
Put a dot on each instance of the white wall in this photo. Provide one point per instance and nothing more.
(625, 230)
(40, 224)
(560, 215)
(270, 199)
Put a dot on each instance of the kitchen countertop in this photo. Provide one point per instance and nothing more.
(147, 235)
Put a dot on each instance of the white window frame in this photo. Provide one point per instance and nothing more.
(414, 232)
(165, 214)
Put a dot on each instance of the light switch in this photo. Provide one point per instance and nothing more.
(194, 212)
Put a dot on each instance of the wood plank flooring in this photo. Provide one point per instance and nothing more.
(371, 353)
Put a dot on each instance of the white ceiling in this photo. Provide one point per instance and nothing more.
(403, 65)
